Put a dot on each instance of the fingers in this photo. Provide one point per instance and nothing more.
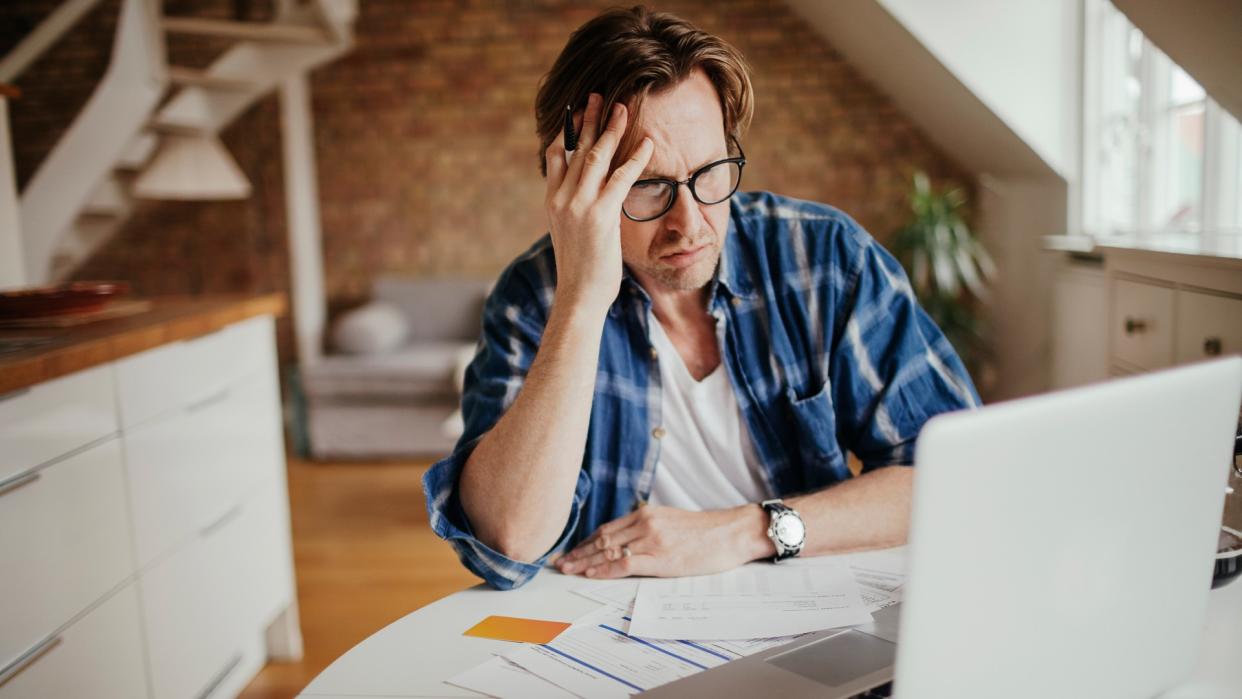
(585, 557)
(589, 560)
(598, 158)
(624, 537)
(586, 138)
(599, 539)
(627, 174)
(554, 156)
(638, 564)
(603, 538)
(588, 125)
(608, 544)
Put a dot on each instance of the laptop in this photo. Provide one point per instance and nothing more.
(1060, 546)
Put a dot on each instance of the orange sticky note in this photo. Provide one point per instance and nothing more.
(508, 628)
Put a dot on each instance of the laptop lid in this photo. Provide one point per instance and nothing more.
(1061, 545)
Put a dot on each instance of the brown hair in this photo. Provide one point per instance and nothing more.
(624, 54)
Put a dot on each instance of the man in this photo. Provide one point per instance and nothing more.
(667, 382)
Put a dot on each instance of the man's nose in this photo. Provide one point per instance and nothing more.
(685, 217)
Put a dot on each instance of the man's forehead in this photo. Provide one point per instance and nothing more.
(685, 124)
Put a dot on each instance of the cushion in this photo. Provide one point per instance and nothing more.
(423, 370)
(437, 309)
(375, 328)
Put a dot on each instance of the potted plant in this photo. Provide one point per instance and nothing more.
(948, 267)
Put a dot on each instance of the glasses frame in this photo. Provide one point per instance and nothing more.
(739, 159)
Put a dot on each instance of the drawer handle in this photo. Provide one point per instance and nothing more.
(223, 520)
(220, 676)
(29, 658)
(1135, 325)
(208, 401)
(1212, 347)
(19, 482)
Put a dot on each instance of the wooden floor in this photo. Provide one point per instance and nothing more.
(364, 557)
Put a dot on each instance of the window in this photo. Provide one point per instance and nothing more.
(1162, 161)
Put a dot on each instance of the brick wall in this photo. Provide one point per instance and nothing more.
(427, 153)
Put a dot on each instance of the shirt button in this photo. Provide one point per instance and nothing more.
(658, 433)
(735, 301)
(654, 353)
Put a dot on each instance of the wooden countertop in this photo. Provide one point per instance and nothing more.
(170, 319)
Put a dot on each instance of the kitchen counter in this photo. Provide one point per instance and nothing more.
(62, 351)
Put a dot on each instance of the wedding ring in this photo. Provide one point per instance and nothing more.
(625, 551)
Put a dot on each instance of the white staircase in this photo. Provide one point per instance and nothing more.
(85, 189)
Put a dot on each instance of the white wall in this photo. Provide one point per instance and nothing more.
(1019, 57)
(1014, 215)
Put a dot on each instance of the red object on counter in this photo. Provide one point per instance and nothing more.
(59, 299)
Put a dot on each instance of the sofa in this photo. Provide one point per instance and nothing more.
(391, 385)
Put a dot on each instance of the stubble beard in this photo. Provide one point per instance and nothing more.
(689, 278)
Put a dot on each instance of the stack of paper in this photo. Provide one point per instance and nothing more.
(654, 631)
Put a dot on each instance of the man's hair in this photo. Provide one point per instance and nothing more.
(625, 54)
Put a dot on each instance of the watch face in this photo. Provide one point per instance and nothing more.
(790, 530)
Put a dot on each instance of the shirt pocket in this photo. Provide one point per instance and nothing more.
(815, 430)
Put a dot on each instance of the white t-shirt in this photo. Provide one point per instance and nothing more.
(707, 461)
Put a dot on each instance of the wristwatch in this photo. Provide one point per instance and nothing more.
(785, 529)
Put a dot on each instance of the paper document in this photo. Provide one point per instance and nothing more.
(879, 574)
(596, 658)
(755, 601)
(501, 678)
(616, 593)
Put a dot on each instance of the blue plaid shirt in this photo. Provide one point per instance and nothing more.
(825, 345)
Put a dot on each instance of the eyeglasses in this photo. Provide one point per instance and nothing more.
(713, 183)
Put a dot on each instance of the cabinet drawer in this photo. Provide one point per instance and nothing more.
(53, 418)
(267, 557)
(1142, 324)
(64, 543)
(176, 375)
(188, 468)
(100, 655)
(207, 600)
(1207, 326)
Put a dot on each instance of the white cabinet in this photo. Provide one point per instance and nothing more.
(196, 588)
(64, 540)
(47, 421)
(1168, 309)
(173, 376)
(230, 583)
(1142, 324)
(1209, 325)
(189, 466)
(144, 524)
(98, 656)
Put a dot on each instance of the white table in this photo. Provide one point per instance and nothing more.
(413, 655)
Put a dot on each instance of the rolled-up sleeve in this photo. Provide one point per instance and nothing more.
(449, 522)
(894, 370)
(513, 322)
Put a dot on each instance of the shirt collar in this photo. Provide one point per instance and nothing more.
(730, 272)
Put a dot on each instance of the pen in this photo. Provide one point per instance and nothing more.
(571, 138)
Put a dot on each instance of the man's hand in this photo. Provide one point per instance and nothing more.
(583, 203)
(666, 542)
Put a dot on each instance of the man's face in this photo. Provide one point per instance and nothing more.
(679, 250)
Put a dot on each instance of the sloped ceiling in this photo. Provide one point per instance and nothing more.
(881, 48)
(1204, 37)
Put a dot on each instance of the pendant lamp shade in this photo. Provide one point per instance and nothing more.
(192, 167)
